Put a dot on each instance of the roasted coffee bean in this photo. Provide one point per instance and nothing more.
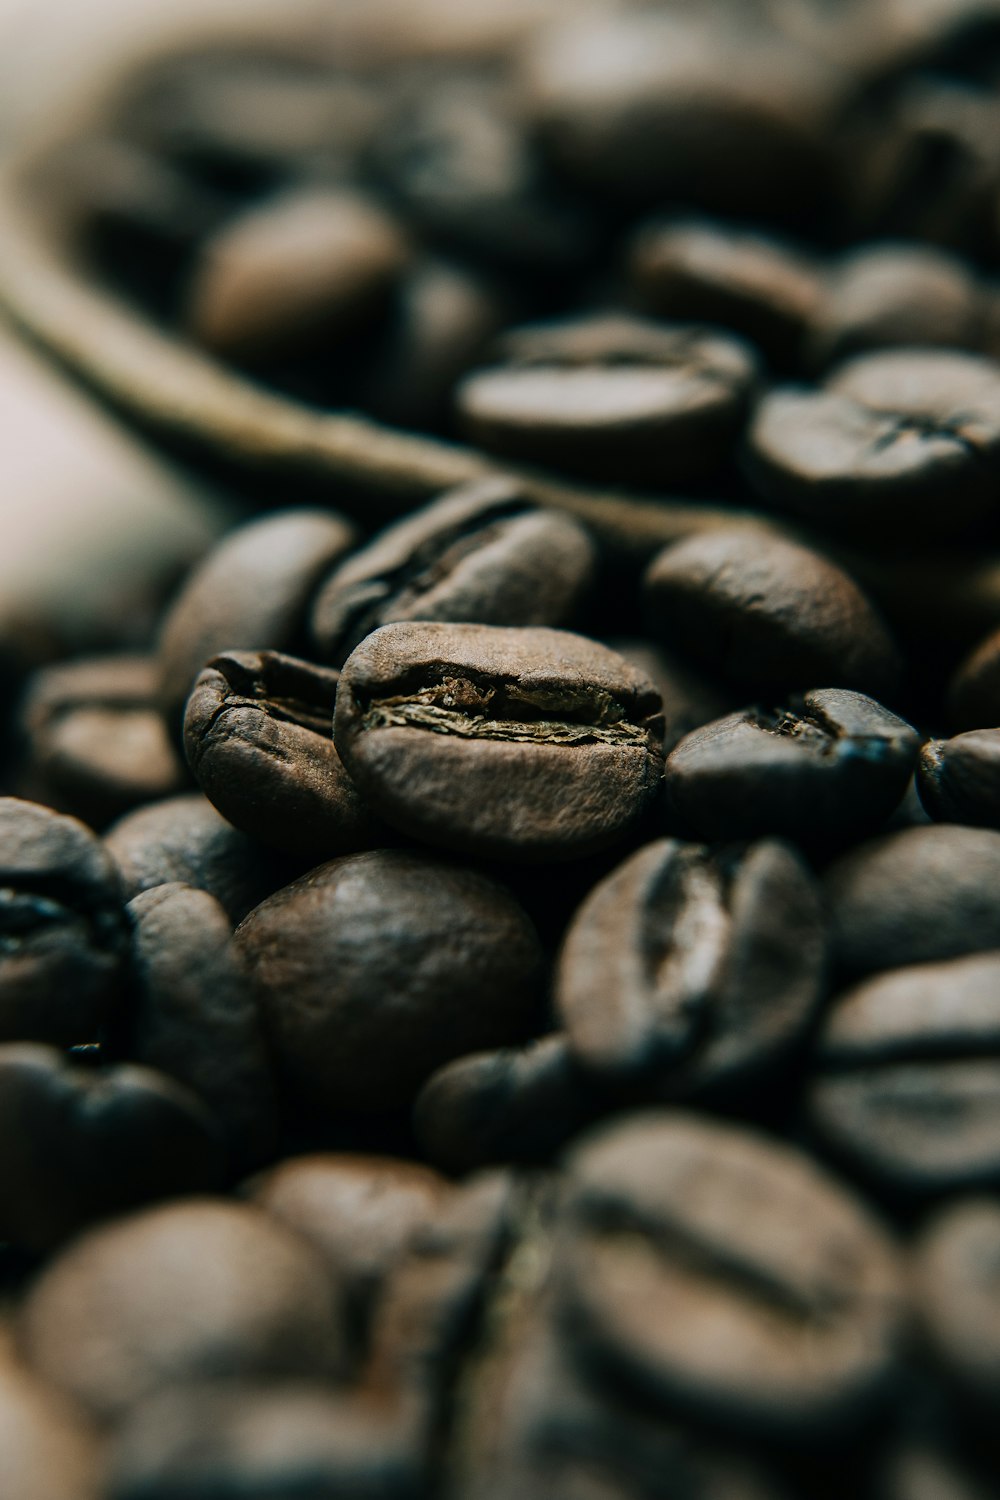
(693, 971)
(768, 615)
(199, 1290)
(192, 1015)
(697, 270)
(63, 934)
(49, 1451)
(258, 731)
(722, 1273)
(915, 896)
(78, 1144)
(974, 694)
(250, 593)
(956, 1272)
(481, 553)
(959, 779)
(515, 1105)
(515, 743)
(828, 766)
(184, 841)
(615, 398)
(365, 968)
(907, 1089)
(292, 272)
(95, 742)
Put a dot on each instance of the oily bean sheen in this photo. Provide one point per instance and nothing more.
(258, 731)
(481, 553)
(691, 971)
(77, 1144)
(957, 1273)
(907, 1084)
(514, 743)
(959, 779)
(198, 1290)
(375, 969)
(829, 766)
(726, 1274)
(915, 896)
(614, 397)
(49, 1451)
(63, 934)
(768, 615)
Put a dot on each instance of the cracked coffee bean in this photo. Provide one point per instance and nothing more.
(481, 553)
(959, 779)
(907, 1083)
(693, 972)
(827, 768)
(375, 969)
(510, 743)
(258, 731)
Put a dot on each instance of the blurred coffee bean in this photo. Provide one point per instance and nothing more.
(258, 731)
(515, 1105)
(49, 1451)
(293, 273)
(690, 699)
(365, 968)
(959, 779)
(921, 1471)
(481, 553)
(183, 840)
(699, 270)
(768, 615)
(63, 933)
(78, 1144)
(250, 593)
(692, 971)
(198, 1290)
(907, 1084)
(614, 398)
(974, 693)
(192, 1015)
(95, 742)
(724, 1274)
(827, 767)
(915, 896)
(513, 743)
(956, 1272)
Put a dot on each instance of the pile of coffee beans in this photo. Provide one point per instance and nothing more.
(487, 1013)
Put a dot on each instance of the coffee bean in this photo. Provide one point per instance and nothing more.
(358, 1022)
(614, 398)
(258, 731)
(197, 1290)
(513, 743)
(769, 615)
(907, 1089)
(828, 767)
(63, 934)
(956, 1269)
(78, 1144)
(49, 1451)
(959, 779)
(974, 694)
(916, 896)
(719, 1272)
(481, 553)
(693, 971)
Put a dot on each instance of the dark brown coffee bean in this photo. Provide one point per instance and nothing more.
(908, 1085)
(292, 272)
(184, 841)
(957, 1282)
(697, 270)
(614, 398)
(250, 593)
(49, 1451)
(95, 738)
(769, 615)
(63, 933)
(198, 1290)
(693, 971)
(959, 779)
(974, 694)
(78, 1144)
(915, 896)
(192, 1015)
(723, 1273)
(258, 731)
(828, 767)
(513, 743)
(365, 968)
(482, 553)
